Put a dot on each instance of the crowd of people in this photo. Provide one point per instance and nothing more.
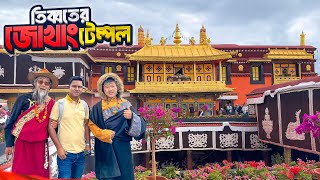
(35, 116)
(229, 109)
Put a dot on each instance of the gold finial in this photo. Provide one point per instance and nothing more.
(140, 28)
(140, 36)
(177, 37)
(302, 39)
(203, 36)
(162, 41)
(192, 41)
(208, 40)
(148, 40)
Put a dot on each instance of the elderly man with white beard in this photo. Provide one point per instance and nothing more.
(26, 130)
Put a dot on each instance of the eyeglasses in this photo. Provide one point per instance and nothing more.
(44, 82)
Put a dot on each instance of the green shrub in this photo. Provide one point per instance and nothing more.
(277, 159)
(169, 172)
(215, 175)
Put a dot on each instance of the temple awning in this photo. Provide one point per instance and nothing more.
(288, 54)
(183, 53)
(180, 87)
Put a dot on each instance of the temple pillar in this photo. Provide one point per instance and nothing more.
(287, 155)
(148, 160)
(189, 159)
(214, 72)
(164, 72)
(229, 156)
(300, 71)
(215, 107)
(138, 69)
(220, 71)
(194, 72)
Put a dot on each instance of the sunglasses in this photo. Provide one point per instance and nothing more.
(44, 82)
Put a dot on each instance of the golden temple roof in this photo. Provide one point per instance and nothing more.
(288, 54)
(182, 53)
(180, 87)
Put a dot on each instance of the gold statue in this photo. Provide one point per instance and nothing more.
(208, 40)
(192, 41)
(147, 41)
(162, 41)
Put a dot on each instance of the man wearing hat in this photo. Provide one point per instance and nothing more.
(26, 129)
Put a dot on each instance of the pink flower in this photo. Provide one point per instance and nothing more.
(173, 129)
(176, 110)
(159, 120)
(205, 107)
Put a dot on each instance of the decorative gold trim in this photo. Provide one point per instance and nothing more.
(288, 54)
(259, 60)
(185, 53)
(240, 68)
(180, 59)
(279, 80)
(180, 87)
(308, 67)
(232, 60)
(110, 60)
(233, 53)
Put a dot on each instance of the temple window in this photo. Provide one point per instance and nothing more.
(208, 78)
(285, 70)
(257, 74)
(149, 78)
(224, 73)
(158, 78)
(108, 69)
(199, 78)
(178, 70)
(130, 74)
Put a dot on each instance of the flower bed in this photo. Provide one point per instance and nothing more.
(249, 170)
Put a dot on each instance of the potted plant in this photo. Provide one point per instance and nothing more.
(161, 124)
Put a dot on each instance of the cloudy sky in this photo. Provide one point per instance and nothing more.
(243, 22)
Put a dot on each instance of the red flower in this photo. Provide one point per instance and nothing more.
(295, 170)
(253, 164)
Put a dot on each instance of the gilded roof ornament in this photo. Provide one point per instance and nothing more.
(140, 29)
(208, 40)
(302, 39)
(192, 41)
(148, 40)
(203, 36)
(162, 41)
(177, 37)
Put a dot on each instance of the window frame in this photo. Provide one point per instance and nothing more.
(260, 73)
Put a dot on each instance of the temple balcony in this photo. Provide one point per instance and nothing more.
(180, 87)
(283, 79)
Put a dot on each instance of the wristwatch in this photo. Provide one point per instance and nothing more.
(87, 144)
